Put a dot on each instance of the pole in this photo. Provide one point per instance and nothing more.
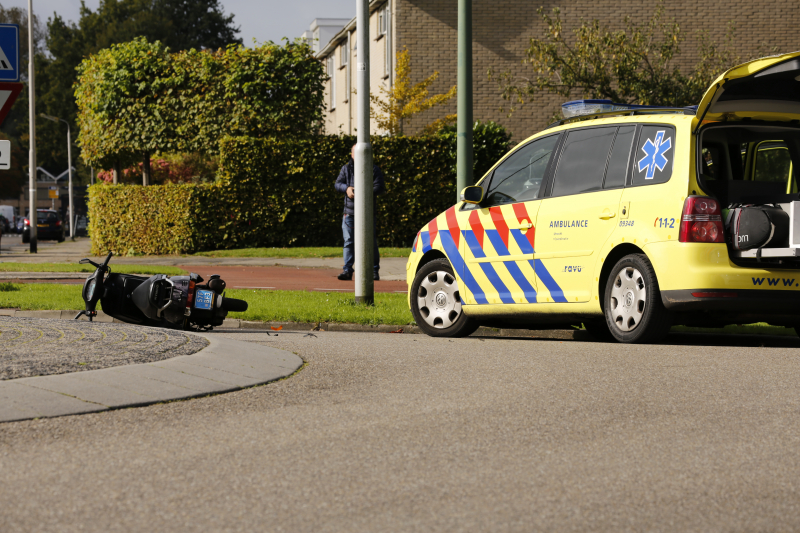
(71, 205)
(464, 125)
(363, 220)
(32, 216)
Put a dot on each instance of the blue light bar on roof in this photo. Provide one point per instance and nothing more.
(577, 108)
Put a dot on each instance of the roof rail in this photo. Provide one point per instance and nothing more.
(691, 110)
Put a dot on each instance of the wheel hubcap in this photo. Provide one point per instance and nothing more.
(438, 299)
(628, 299)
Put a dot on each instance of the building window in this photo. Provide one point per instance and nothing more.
(382, 22)
(387, 42)
(348, 73)
(345, 59)
(332, 75)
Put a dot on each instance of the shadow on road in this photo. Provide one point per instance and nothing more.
(682, 339)
(676, 339)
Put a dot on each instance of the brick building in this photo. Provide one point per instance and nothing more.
(502, 30)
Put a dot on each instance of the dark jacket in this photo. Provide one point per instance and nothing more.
(346, 178)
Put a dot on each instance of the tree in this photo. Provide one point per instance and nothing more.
(126, 92)
(13, 180)
(403, 100)
(178, 24)
(136, 99)
(199, 24)
(19, 15)
(15, 126)
(634, 65)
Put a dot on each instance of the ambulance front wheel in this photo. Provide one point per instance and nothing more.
(633, 308)
(436, 302)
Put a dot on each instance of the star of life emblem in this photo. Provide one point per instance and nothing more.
(654, 155)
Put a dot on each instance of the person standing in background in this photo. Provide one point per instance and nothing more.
(344, 185)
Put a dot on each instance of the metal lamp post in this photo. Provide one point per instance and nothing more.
(32, 217)
(363, 219)
(464, 118)
(69, 168)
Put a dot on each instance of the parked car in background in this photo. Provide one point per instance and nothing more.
(19, 224)
(48, 226)
(5, 225)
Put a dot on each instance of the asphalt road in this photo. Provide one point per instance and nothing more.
(382, 432)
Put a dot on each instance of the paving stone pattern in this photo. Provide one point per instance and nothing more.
(35, 347)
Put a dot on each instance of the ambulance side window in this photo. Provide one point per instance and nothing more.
(617, 169)
(773, 162)
(582, 164)
(519, 178)
(655, 151)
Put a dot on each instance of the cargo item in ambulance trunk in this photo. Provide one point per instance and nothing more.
(758, 227)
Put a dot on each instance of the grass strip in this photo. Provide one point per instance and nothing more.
(264, 305)
(309, 252)
(302, 306)
(40, 296)
(75, 267)
(299, 306)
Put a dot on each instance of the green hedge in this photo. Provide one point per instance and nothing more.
(275, 192)
(152, 220)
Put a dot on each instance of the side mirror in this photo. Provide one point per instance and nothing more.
(472, 194)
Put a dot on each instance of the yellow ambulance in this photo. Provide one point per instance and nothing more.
(630, 219)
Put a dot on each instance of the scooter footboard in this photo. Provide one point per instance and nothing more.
(115, 301)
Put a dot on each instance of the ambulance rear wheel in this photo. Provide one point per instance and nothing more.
(436, 302)
(633, 308)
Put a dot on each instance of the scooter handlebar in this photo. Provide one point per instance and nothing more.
(234, 305)
(108, 258)
(85, 261)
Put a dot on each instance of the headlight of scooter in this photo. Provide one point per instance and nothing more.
(90, 288)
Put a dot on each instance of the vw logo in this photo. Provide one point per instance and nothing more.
(629, 299)
(441, 299)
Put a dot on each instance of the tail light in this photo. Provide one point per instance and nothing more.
(190, 296)
(27, 222)
(701, 220)
(58, 223)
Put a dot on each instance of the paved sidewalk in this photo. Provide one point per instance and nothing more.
(224, 365)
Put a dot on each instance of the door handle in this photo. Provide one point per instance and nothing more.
(607, 213)
(525, 225)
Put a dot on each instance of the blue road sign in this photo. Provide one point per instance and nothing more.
(9, 52)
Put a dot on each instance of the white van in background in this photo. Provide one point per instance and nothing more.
(10, 213)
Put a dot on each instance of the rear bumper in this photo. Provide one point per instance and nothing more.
(45, 234)
(728, 301)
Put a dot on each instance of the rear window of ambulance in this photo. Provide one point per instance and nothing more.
(655, 151)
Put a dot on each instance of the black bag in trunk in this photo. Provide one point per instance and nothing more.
(759, 227)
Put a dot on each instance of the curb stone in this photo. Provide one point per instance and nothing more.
(224, 365)
(238, 324)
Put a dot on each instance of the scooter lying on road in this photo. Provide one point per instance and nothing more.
(179, 302)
